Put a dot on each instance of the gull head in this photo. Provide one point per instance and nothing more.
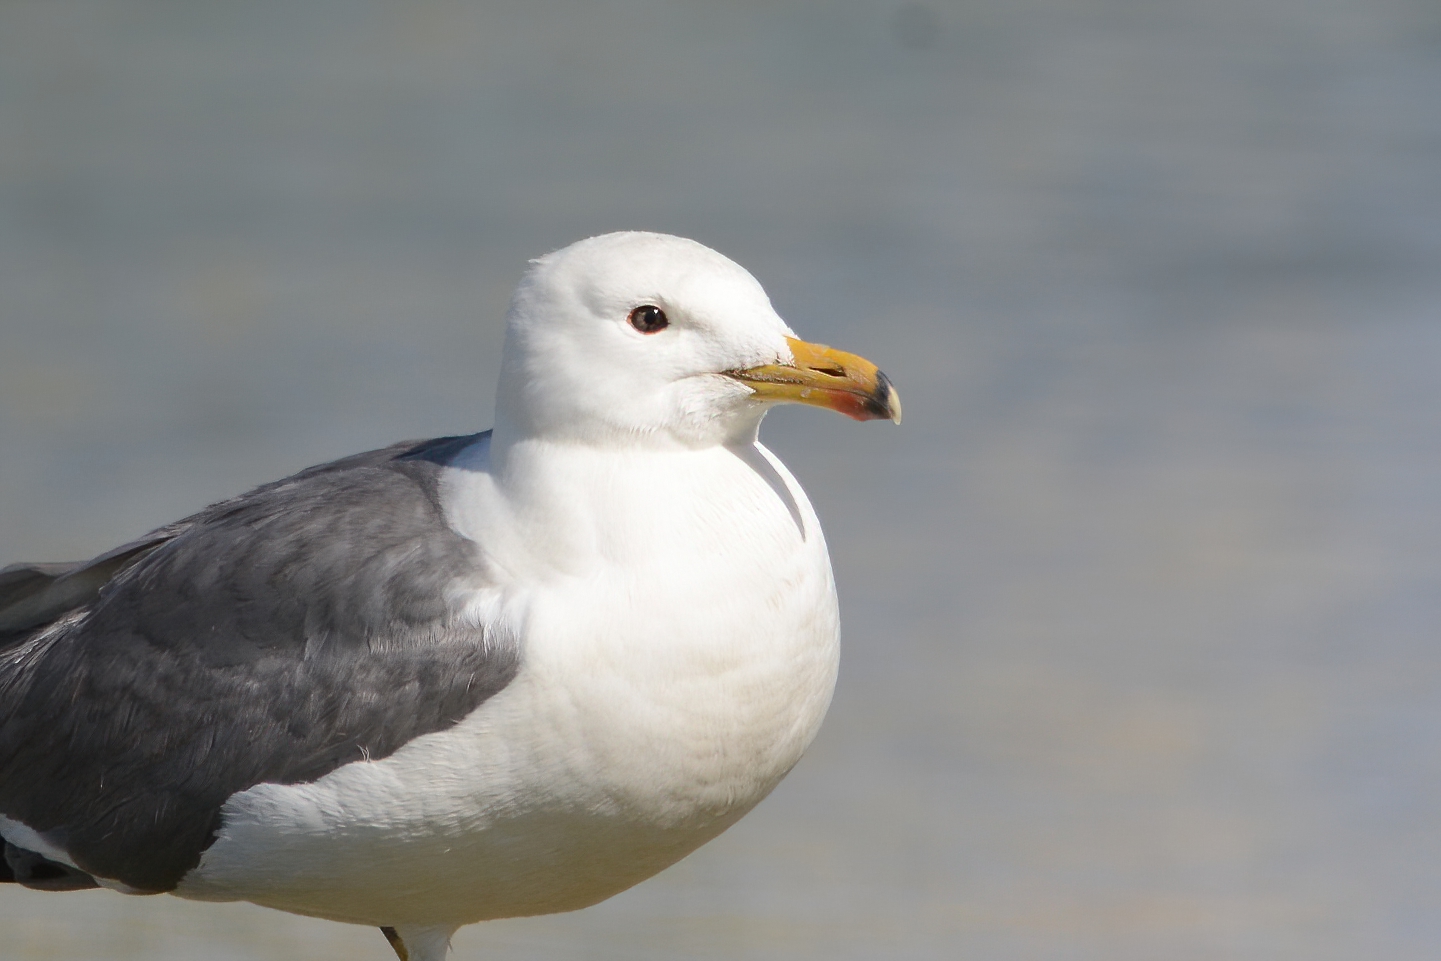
(642, 338)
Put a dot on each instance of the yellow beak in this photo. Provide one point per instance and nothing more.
(826, 378)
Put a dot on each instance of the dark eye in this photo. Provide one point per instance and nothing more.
(648, 319)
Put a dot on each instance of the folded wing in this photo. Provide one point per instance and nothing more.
(311, 623)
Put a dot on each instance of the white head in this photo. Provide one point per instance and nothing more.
(642, 338)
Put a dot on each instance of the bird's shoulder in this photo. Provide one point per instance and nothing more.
(370, 523)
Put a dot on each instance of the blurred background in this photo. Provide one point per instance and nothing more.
(1142, 600)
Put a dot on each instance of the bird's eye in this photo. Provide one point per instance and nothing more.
(648, 319)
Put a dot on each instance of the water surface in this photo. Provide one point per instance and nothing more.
(1141, 602)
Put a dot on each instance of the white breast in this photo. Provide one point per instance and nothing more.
(680, 637)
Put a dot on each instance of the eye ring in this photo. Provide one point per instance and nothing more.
(648, 319)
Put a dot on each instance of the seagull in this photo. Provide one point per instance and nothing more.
(497, 675)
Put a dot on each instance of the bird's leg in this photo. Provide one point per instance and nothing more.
(420, 942)
(396, 943)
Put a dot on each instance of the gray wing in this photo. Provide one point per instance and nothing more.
(272, 637)
(34, 595)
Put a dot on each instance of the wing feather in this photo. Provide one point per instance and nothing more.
(273, 637)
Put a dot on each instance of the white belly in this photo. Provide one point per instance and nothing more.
(656, 704)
